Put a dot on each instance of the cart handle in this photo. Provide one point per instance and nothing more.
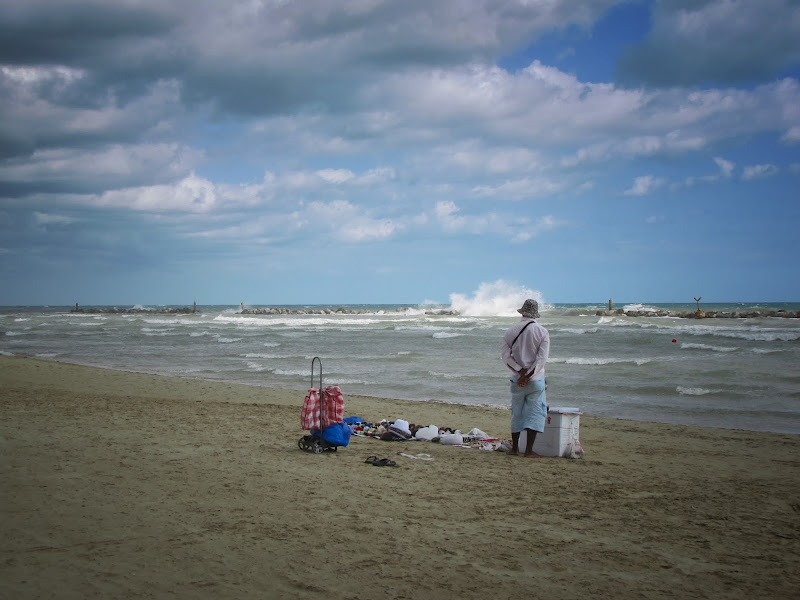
(313, 360)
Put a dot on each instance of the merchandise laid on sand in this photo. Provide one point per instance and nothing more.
(128, 485)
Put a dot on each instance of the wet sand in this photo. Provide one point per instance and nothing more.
(125, 485)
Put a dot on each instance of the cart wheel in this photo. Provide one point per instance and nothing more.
(301, 444)
(316, 448)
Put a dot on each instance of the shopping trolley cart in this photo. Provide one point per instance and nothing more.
(322, 415)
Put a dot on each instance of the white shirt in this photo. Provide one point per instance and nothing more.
(531, 349)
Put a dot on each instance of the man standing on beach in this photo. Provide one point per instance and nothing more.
(526, 346)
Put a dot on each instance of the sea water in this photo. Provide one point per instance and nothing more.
(726, 372)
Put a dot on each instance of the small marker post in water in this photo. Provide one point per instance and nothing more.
(699, 314)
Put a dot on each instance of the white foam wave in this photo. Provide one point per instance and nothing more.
(695, 391)
(223, 340)
(256, 367)
(296, 321)
(639, 307)
(292, 372)
(423, 327)
(171, 322)
(617, 322)
(766, 350)
(440, 375)
(497, 299)
(441, 335)
(750, 334)
(591, 361)
(708, 347)
(761, 336)
(579, 330)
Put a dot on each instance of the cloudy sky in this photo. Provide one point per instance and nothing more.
(278, 151)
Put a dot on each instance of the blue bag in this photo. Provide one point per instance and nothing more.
(337, 434)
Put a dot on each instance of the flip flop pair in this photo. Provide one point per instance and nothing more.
(380, 462)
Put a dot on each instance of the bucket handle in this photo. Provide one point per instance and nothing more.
(316, 359)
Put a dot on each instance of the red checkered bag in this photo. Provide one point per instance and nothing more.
(332, 403)
(309, 416)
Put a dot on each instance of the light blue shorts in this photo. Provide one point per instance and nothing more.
(528, 406)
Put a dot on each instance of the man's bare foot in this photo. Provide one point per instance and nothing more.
(532, 455)
(513, 452)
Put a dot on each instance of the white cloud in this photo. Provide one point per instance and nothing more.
(111, 166)
(255, 230)
(25, 76)
(759, 172)
(192, 194)
(363, 229)
(337, 220)
(349, 222)
(520, 189)
(644, 185)
(481, 158)
(336, 175)
(792, 136)
(51, 219)
(376, 176)
(512, 227)
(725, 166)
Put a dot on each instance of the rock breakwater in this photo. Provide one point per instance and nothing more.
(331, 311)
(114, 310)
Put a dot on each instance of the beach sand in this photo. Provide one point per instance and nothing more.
(125, 485)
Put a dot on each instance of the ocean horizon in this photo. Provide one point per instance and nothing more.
(737, 372)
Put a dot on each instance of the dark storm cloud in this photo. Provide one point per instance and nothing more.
(118, 48)
(91, 72)
(726, 42)
(79, 74)
(261, 58)
(74, 33)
